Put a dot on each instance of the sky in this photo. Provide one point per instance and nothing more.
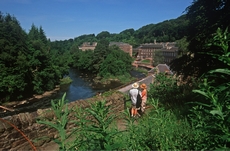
(66, 19)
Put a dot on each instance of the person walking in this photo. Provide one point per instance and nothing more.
(133, 93)
(143, 96)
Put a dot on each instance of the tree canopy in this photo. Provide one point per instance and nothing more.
(27, 62)
(205, 17)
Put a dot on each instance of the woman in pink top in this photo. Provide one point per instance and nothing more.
(144, 96)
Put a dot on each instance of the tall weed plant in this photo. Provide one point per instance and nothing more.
(59, 123)
(93, 129)
(167, 90)
(101, 133)
(159, 129)
(212, 116)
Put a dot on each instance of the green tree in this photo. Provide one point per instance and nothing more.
(204, 19)
(100, 53)
(85, 60)
(182, 45)
(103, 35)
(47, 64)
(15, 75)
(116, 63)
(158, 58)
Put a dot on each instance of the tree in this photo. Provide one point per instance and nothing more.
(47, 64)
(158, 58)
(116, 63)
(204, 19)
(85, 59)
(100, 53)
(15, 75)
(182, 45)
(103, 35)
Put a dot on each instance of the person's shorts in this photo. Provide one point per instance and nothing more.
(134, 106)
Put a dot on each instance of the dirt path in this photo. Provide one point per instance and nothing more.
(147, 80)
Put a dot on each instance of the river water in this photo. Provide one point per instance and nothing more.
(83, 87)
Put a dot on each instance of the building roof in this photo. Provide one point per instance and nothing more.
(163, 68)
(151, 45)
(170, 49)
(118, 43)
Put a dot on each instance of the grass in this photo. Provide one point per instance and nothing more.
(66, 80)
(145, 61)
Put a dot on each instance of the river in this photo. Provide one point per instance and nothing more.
(83, 87)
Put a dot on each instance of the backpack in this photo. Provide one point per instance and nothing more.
(139, 100)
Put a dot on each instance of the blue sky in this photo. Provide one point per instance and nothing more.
(65, 19)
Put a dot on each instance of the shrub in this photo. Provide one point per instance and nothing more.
(211, 114)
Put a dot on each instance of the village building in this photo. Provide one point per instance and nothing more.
(144, 51)
(147, 51)
(123, 46)
(88, 46)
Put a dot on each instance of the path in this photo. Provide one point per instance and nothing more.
(147, 80)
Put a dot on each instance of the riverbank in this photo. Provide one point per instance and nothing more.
(83, 86)
(28, 104)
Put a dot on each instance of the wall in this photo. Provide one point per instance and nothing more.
(41, 135)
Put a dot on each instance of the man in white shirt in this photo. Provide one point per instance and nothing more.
(133, 95)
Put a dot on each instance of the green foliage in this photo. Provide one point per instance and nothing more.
(182, 45)
(94, 129)
(103, 35)
(158, 58)
(168, 30)
(117, 62)
(159, 129)
(14, 64)
(84, 38)
(141, 70)
(59, 123)
(85, 61)
(100, 53)
(104, 60)
(204, 18)
(167, 90)
(102, 136)
(66, 80)
(28, 64)
(211, 114)
(145, 61)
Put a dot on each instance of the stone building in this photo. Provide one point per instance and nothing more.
(88, 46)
(123, 46)
(168, 49)
(169, 54)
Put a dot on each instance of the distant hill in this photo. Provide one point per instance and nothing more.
(166, 31)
